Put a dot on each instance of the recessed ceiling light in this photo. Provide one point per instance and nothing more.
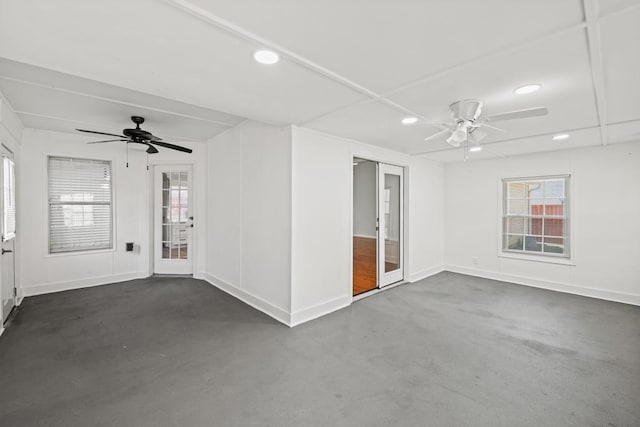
(561, 136)
(409, 120)
(523, 90)
(475, 148)
(267, 57)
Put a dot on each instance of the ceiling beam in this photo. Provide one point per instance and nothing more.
(115, 101)
(595, 59)
(97, 125)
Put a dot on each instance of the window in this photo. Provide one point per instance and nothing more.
(535, 219)
(9, 198)
(79, 204)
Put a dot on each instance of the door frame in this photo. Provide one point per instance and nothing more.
(405, 220)
(6, 152)
(151, 210)
(386, 279)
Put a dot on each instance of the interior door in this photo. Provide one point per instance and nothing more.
(173, 220)
(8, 202)
(391, 224)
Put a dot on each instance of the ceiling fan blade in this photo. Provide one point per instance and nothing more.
(477, 135)
(155, 138)
(151, 149)
(484, 125)
(172, 146)
(446, 126)
(101, 133)
(106, 140)
(437, 134)
(519, 114)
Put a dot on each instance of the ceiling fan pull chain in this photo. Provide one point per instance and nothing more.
(127, 154)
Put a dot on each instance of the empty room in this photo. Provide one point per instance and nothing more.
(313, 213)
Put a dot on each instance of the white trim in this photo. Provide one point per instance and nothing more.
(427, 272)
(375, 291)
(567, 288)
(1, 330)
(319, 310)
(66, 285)
(545, 259)
(248, 298)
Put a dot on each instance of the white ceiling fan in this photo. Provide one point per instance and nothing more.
(468, 122)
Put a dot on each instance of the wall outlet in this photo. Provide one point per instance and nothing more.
(129, 246)
(474, 260)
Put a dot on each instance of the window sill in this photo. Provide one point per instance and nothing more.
(77, 253)
(537, 258)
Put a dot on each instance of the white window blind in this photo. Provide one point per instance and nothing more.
(79, 204)
(9, 207)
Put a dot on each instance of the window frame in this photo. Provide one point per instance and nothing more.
(563, 258)
(47, 205)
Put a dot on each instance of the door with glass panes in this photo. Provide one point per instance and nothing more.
(173, 219)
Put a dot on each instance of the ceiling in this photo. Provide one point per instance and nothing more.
(352, 69)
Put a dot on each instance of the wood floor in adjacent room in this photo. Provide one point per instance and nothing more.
(450, 350)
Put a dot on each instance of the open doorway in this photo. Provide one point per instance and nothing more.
(377, 225)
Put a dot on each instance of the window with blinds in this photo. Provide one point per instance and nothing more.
(79, 204)
(536, 215)
(9, 199)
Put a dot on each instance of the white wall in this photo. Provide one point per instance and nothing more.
(42, 272)
(605, 208)
(249, 222)
(322, 219)
(11, 136)
(364, 199)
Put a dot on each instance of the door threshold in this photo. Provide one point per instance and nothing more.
(377, 290)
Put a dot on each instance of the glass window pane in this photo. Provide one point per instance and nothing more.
(514, 242)
(392, 222)
(554, 189)
(554, 207)
(517, 207)
(165, 180)
(533, 226)
(554, 245)
(554, 227)
(165, 250)
(183, 252)
(515, 225)
(533, 243)
(535, 190)
(184, 179)
(536, 206)
(516, 190)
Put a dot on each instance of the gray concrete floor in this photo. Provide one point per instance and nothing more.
(450, 350)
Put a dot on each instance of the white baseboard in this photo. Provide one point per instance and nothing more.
(254, 301)
(423, 274)
(544, 284)
(318, 310)
(47, 288)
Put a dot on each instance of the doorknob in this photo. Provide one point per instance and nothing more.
(5, 251)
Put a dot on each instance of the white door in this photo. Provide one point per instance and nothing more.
(8, 202)
(391, 224)
(173, 220)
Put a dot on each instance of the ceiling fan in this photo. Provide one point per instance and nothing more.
(138, 136)
(468, 122)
